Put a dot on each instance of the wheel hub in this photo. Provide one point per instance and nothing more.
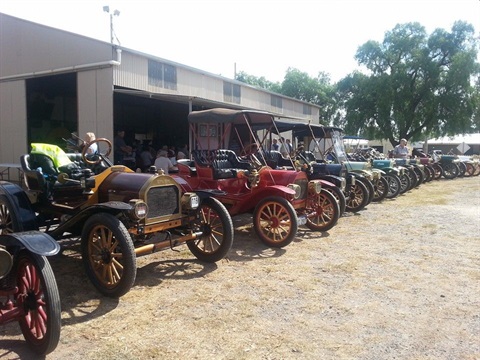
(106, 256)
(206, 230)
(30, 301)
(274, 222)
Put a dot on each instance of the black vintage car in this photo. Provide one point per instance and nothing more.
(117, 213)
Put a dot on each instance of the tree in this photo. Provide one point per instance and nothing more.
(299, 85)
(417, 85)
(260, 82)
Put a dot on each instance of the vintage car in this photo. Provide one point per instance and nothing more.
(327, 146)
(224, 144)
(117, 213)
(432, 167)
(332, 176)
(28, 289)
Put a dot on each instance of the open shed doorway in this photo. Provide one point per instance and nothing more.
(51, 108)
(155, 122)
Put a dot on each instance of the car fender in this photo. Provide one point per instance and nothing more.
(327, 183)
(276, 190)
(34, 241)
(75, 223)
(390, 171)
(20, 203)
(357, 175)
(279, 191)
(207, 193)
(184, 184)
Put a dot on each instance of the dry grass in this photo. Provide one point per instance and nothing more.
(399, 280)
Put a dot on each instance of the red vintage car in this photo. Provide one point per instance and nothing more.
(224, 144)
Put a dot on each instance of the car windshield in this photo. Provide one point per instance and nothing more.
(339, 147)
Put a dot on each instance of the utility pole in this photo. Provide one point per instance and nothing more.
(115, 13)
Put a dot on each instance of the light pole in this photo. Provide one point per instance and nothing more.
(115, 13)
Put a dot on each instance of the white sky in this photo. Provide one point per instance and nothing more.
(262, 37)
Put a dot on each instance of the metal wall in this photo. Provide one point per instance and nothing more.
(95, 103)
(13, 128)
(27, 48)
(133, 74)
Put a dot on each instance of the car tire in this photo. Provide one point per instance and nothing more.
(326, 210)
(217, 228)
(39, 298)
(112, 268)
(275, 221)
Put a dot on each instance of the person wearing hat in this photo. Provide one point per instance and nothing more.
(401, 150)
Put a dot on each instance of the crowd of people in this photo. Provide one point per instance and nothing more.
(141, 155)
(284, 146)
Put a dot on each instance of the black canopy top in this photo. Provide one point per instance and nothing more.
(220, 115)
(301, 129)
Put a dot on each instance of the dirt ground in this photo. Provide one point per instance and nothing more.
(399, 280)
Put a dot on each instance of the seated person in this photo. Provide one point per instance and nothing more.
(93, 148)
(164, 163)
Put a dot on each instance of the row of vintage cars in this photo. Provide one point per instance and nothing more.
(118, 214)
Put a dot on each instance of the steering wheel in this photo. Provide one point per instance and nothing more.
(100, 156)
(301, 158)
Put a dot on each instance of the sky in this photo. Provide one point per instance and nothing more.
(259, 37)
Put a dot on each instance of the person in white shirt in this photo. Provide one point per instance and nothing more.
(289, 146)
(92, 149)
(163, 162)
(401, 150)
(283, 147)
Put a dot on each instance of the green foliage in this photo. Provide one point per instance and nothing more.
(301, 86)
(418, 86)
(259, 82)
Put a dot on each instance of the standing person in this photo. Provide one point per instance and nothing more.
(283, 147)
(163, 162)
(289, 147)
(274, 145)
(120, 148)
(401, 150)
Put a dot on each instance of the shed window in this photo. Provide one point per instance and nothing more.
(307, 109)
(162, 75)
(276, 102)
(231, 92)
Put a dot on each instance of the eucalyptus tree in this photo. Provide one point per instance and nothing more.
(416, 85)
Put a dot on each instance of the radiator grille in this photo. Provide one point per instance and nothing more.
(162, 201)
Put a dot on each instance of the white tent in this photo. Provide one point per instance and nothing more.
(460, 144)
(473, 139)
